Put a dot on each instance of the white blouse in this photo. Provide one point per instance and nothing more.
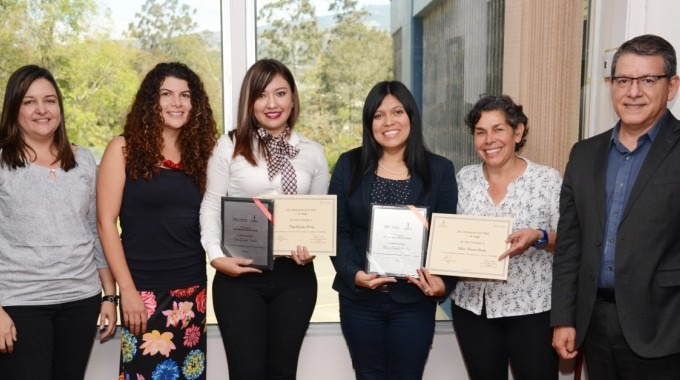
(236, 177)
(532, 201)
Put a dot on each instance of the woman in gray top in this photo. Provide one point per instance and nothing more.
(51, 263)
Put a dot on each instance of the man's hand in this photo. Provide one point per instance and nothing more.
(563, 341)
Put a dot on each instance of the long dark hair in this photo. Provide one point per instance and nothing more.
(371, 151)
(143, 128)
(14, 148)
(257, 78)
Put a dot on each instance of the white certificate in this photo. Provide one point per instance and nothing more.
(308, 220)
(397, 240)
(468, 246)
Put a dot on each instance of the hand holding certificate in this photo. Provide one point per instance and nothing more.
(397, 240)
(307, 220)
(468, 246)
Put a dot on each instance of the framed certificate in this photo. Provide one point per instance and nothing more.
(247, 230)
(308, 220)
(397, 240)
(468, 246)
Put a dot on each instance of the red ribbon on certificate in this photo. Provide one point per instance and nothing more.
(264, 210)
(420, 216)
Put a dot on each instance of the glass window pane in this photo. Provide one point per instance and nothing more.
(99, 51)
(337, 51)
(462, 62)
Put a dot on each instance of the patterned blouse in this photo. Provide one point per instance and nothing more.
(389, 191)
(532, 200)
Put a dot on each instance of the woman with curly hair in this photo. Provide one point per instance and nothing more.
(263, 315)
(501, 322)
(153, 178)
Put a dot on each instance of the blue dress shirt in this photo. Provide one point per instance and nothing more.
(623, 167)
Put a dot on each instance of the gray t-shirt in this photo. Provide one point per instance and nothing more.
(49, 246)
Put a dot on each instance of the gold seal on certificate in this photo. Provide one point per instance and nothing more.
(247, 230)
(308, 220)
(397, 240)
(468, 246)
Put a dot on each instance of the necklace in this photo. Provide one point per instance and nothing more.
(405, 171)
(172, 165)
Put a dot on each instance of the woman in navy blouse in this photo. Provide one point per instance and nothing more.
(388, 323)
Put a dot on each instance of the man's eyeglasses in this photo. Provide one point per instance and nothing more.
(647, 81)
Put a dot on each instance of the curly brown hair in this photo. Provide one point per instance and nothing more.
(143, 129)
(514, 115)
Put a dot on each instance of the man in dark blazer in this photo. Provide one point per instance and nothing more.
(616, 270)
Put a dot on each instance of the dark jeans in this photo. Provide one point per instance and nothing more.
(53, 341)
(263, 318)
(488, 344)
(608, 356)
(386, 339)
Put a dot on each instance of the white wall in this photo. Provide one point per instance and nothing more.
(324, 356)
(612, 23)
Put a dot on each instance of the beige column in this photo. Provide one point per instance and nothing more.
(542, 71)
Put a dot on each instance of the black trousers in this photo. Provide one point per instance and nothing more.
(263, 318)
(53, 341)
(608, 356)
(488, 344)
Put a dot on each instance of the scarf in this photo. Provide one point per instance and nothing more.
(279, 153)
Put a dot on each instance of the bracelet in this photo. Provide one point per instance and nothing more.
(113, 299)
(543, 241)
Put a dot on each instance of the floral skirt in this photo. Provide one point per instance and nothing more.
(174, 345)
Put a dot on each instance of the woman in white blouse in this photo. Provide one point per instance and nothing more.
(263, 315)
(497, 322)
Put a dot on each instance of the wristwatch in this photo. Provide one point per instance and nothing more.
(543, 241)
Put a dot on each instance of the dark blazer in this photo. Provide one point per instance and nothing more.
(647, 271)
(353, 222)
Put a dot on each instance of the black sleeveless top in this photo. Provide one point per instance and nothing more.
(161, 233)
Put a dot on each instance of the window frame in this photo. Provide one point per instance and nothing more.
(238, 37)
